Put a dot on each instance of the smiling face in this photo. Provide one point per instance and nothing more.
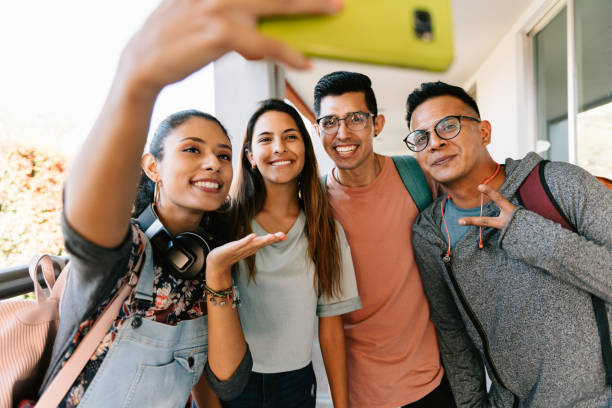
(349, 149)
(196, 168)
(277, 148)
(448, 161)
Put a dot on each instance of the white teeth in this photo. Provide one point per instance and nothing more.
(280, 163)
(207, 184)
(345, 149)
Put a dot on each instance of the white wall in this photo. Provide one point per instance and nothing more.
(505, 88)
(239, 86)
(497, 98)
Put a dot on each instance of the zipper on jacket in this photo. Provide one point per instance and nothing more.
(478, 326)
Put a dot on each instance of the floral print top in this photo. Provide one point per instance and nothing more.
(174, 300)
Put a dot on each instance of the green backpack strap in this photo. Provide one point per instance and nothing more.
(414, 179)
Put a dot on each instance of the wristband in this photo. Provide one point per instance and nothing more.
(224, 296)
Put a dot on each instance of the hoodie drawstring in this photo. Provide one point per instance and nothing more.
(446, 257)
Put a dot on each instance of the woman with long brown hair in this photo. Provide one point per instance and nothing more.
(286, 286)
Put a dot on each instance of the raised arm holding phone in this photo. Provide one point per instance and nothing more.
(191, 170)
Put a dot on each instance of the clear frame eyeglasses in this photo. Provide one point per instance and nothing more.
(355, 121)
(447, 128)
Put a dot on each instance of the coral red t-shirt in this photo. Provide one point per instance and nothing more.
(392, 349)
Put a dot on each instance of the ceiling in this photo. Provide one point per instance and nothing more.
(478, 26)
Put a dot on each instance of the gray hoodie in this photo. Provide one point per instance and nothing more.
(522, 304)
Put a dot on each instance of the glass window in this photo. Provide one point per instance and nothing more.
(550, 46)
(593, 28)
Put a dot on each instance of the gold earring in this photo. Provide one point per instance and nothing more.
(156, 193)
(254, 166)
(226, 206)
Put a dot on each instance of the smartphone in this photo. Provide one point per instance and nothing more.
(405, 33)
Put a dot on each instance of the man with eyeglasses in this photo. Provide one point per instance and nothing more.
(392, 350)
(530, 294)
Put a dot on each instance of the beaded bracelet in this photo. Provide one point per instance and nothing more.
(224, 295)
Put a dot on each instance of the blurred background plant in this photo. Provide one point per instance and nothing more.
(31, 183)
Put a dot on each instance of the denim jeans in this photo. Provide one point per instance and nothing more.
(290, 389)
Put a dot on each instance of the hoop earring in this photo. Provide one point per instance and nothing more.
(226, 206)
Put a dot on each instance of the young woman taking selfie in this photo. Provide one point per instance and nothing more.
(171, 326)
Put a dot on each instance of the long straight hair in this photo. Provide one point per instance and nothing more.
(249, 194)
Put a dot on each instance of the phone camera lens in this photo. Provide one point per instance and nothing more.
(422, 25)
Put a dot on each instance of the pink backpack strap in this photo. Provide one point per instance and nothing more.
(64, 379)
(46, 265)
(60, 385)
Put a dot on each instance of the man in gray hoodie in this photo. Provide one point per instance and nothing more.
(519, 284)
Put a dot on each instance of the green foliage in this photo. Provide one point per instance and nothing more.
(30, 203)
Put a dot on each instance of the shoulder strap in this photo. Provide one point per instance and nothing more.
(64, 379)
(414, 180)
(60, 385)
(535, 196)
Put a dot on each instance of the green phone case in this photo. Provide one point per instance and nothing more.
(406, 33)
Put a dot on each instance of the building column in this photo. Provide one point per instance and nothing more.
(239, 86)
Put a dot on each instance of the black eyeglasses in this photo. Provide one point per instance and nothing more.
(447, 128)
(353, 120)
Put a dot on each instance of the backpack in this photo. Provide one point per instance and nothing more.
(413, 178)
(27, 331)
(535, 196)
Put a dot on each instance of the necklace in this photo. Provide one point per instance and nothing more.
(447, 256)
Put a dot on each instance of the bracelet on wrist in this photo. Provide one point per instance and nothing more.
(222, 297)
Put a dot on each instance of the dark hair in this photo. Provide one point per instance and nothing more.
(340, 82)
(146, 186)
(429, 90)
(249, 194)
